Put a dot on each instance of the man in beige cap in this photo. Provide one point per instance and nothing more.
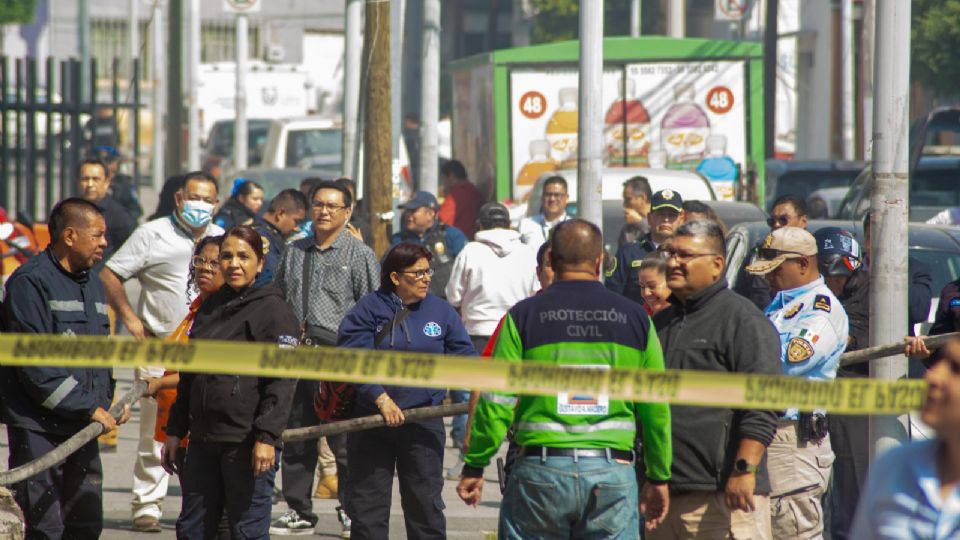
(813, 334)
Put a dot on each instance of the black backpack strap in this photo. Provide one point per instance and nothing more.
(388, 328)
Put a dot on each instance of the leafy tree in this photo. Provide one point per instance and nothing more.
(17, 11)
(935, 40)
(558, 20)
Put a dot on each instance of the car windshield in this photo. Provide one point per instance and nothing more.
(803, 183)
(306, 143)
(222, 137)
(945, 265)
(942, 136)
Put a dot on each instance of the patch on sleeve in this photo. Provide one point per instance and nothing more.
(636, 263)
(613, 268)
(799, 350)
(792, 312)
(955, 302)
(822, 302)
(287, 342)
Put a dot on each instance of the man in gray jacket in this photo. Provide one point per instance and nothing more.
(719, 483)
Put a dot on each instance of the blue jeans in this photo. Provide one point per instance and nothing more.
(458, 426)
(562, 498)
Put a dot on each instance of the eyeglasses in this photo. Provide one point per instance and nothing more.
(419, 274)
(769, 254)
(554, 195)
(782, 220)
(682, 257)
(199, 263)
(332, 208)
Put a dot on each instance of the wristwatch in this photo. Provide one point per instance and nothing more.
(744, 466)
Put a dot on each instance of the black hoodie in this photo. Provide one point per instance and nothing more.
(234, 408)
(717, 330)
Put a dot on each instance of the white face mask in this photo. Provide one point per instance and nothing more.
(196, 214)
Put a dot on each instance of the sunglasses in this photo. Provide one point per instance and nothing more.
(768, 254)
(782, 220)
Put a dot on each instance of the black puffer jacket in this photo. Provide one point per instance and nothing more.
(234, 408)
(717, 330)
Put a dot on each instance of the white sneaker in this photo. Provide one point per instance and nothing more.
(291, 524)
(344, 523)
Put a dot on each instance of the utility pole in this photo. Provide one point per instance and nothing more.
(352, 60)
(397, 16)
(770, 35)
(866, 75)
(590, 124)
(175, 120)
(134, 31)
(888, 205)
(635, 17)
(676, 18)
(83, 35)
(430, 97)
(240, 123)
(846, 78)
(193, 114)
(156, 69)
(376, 120)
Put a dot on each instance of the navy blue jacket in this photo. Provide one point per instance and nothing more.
(432, 326)
(271, 234)
(624, 277)
(43, 298)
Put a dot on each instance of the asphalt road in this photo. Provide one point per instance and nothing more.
(462, 521)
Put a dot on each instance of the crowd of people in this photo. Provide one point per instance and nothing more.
(462, 278)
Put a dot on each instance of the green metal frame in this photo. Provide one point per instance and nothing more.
(620, 51)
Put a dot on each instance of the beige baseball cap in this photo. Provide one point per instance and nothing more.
(780, 245)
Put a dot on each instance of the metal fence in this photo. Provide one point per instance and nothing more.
(46, 128)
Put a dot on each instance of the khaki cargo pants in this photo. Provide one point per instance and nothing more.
(798, 478)
(705, 516)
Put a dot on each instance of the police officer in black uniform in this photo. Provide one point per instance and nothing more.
(56, 293)
(421, 226)
(666, 214)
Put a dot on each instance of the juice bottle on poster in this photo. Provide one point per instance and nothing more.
(627, 130)
(684, 130)
(562, 130)
(719, 168)
(539, 163)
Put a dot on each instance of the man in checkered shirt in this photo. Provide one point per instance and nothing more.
(322, 278)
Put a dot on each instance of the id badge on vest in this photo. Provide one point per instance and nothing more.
(583, 404)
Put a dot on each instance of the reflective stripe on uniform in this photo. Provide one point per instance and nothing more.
(498, 399)
(101, 308)
(60, 393)
(580, 428)
(65, 305)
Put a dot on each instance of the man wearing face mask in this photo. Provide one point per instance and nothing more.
(666, 213)
(158, 255)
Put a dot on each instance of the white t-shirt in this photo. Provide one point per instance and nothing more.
(158, 254)
(534, 230)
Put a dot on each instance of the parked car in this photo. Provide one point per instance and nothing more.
(218, 148)
(803, 178)
(298, 143)
(934, 186)
(825, 203)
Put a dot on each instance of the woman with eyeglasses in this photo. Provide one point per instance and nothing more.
(401, 316)
(235, 422)
(204, 279)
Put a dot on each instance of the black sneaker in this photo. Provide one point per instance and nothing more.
(344, 522)
(291, 524)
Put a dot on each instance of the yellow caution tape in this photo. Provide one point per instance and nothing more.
(680, 387)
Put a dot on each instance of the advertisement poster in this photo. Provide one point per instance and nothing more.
(697, 116)
(679, 115)
(544, 120)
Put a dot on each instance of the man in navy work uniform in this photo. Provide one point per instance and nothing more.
(55, 293)
(666, 214)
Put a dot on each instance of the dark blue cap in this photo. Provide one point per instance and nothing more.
(419, 200)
